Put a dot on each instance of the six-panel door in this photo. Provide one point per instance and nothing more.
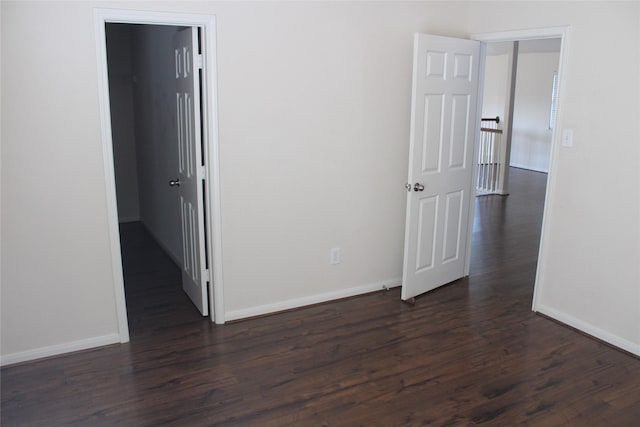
(443, 116)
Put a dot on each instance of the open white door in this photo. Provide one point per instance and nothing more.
(191, 170)
(443, 125)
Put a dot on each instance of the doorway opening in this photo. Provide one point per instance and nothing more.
(142, 91)
(520, 90)
(160, 145)
(518, 114)
(518, 111)
(561, 43)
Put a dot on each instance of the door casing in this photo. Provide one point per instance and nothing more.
(210, 140)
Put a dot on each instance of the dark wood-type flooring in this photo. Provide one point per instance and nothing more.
(471, 353)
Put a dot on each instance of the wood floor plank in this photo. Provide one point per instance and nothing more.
(469, 353)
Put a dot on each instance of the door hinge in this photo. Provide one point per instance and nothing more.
(206, 275)
(202, 172)
(199, 61)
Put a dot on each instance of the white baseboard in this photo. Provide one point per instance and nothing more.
(312, 299)
(54, 350)
(527, 167)
(587, 328)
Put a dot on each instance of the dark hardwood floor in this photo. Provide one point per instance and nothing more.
(470, 353)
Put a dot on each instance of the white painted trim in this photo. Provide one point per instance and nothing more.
(476, 153)
(123, 16)
(313, 299)
(408, 203)
(54, 350)
(556, 137)
(507, 132)
(110, 179)
(590, 329)
(519, 35)
(213, 187)
(207, 22)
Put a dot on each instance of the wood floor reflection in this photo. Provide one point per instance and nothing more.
(470, 353)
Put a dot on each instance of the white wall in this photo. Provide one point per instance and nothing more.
(314, 118)
(57, 290)
(156, 134)
(496, 71)
(314, 129)
(123, 121)
(589, 271)
(531, 136)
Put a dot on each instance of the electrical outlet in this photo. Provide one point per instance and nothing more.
(334, 256)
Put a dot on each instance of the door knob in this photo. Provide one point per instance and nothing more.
(407, 186)
(176, 182)
(418, 187)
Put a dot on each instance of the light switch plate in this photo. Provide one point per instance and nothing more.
(567, 137)
(335, 257)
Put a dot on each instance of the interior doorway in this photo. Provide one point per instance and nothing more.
(142, 70)
(518, 117)
(561, 34)
(518, 110)
(151, 29)
(520, 91)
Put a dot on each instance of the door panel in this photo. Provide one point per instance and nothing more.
(452, 226)
(432, 135)
(428, 215)
(459, 132)
(443, 123)
(190, 167)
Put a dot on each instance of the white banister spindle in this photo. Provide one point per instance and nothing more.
(491, 159)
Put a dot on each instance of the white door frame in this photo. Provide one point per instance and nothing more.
(563, 34)
(210, 138)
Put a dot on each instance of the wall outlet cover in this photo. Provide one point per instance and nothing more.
(335, 256)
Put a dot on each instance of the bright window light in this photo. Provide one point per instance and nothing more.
(554, 101)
